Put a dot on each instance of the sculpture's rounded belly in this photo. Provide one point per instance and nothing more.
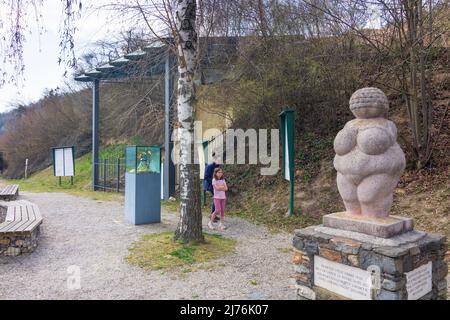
(357, 163)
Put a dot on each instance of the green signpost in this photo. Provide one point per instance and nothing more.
(287, 141)
(205, 158)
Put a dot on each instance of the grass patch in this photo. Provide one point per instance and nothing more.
(45, 181)
(171, 205)
(285, 250)
(160, 251)
(275, 220)
(253, 282)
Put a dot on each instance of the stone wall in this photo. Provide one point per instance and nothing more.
(393, 262)
(18, 243)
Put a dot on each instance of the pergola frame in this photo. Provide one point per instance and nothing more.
(153, 60)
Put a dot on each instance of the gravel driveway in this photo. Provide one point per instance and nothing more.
(91, 234)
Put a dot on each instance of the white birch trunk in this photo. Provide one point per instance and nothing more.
(190, 224)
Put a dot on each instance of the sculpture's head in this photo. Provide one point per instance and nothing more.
(369, 103)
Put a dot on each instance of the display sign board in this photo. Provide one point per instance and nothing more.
(63, 161)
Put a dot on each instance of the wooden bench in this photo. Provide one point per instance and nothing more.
(20, 230)
(10, 192)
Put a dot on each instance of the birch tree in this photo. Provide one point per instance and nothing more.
(182, 27)
(190, 224)
(178, 18)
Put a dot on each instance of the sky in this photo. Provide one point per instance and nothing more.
(41, 52)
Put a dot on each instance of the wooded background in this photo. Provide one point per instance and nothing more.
(308, 55)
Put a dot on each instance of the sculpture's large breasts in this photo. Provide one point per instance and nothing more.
(374, 140)
(345, 140)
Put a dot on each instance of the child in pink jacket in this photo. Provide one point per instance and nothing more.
(220, 186)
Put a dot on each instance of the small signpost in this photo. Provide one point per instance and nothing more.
(287, 141)
(64, 162)
(26, 168)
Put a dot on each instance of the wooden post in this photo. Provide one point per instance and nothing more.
(26, 168)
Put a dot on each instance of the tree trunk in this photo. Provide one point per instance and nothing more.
(419, 96)
(190, 225)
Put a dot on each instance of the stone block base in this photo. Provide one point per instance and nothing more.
(14, 244)
(380, 227)
(352, 265)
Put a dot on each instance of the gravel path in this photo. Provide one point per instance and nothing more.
(92, 235)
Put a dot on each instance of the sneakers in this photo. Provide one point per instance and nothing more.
(222, 226)
(211, 226)
(217, 219)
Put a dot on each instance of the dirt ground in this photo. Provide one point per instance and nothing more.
(89, 237)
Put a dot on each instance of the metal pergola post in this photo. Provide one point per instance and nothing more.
(95, 131)
(169, 168)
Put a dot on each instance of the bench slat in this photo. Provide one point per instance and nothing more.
(9, 192)
(34, 209)
(4, 226)
(10, 214)
(23, 216)
(11, 189)
(32, 220)
(25, 220)
(17, 219)
(33, 226)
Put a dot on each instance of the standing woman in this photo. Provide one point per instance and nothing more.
(207, 182)
(220, 187)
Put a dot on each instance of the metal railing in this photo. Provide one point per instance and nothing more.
(111, 174)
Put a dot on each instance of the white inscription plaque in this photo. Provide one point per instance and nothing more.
(350, 282)
(418, 281)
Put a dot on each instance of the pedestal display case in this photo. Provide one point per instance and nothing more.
(143, 184)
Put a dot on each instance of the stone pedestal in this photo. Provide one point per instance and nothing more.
(330, 263)
(385, 227)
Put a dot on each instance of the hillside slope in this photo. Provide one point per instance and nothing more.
(421, 194)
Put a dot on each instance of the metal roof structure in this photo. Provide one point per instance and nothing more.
(146, 62)
(150, 61)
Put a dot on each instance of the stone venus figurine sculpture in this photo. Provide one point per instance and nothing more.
(364, 253)
(368, 159)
